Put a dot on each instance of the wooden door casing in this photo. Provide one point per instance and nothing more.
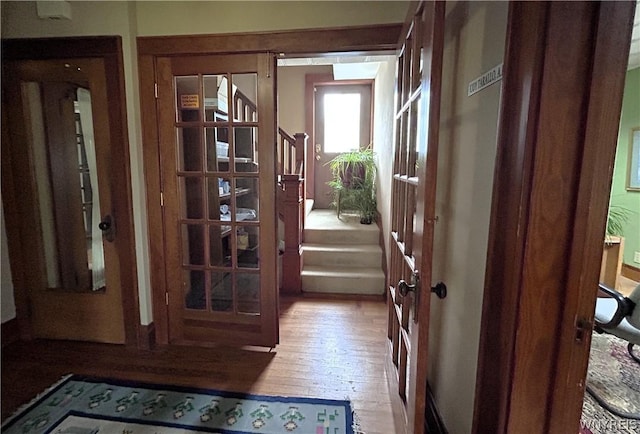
(363, 38)
(413, 205)
(560, 113)
(367, 38)
(101, 54)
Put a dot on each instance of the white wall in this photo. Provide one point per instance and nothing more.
(292, 105)
(132, 19)
(474, 43)
(291, 97)
(383, 123)
(19, 20)
(201, 17)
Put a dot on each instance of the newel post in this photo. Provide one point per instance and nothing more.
(301, 167)
(301, 152)
(293, 214)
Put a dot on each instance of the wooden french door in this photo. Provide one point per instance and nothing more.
(342, 123)
(216, 117)
(413, 206)
(60, 149)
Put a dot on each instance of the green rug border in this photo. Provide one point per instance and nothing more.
(349, 416)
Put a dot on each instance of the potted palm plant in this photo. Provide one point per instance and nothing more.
(353, 183)
(616, 219)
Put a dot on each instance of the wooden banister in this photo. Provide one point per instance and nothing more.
(301, 152)
(293, 214)
(245, 109)
(291, 157)
(291, 154)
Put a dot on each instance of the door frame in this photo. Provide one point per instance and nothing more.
(18, 205)
(346, 39)
(553, 87)
(311, 81)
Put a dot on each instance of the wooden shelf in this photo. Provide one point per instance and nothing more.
(611, 265)
(239, 192)
(237, 160)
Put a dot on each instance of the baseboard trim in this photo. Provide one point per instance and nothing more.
(147, 336)
(384, 250)
(631, 272)
(433, 421)
(10, 332)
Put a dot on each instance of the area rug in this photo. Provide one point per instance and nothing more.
(82, 405)
(615, 377)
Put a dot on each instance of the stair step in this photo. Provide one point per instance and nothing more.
(356, 255)
(308, 206)
(343, 280)
(340, 236)
(324, 226)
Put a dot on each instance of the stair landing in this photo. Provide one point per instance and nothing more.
(340, 255)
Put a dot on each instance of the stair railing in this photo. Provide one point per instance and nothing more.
(245, 109)
(291, 157)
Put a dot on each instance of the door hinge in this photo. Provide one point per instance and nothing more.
(166, 298)
(155, 89)
(583, 326)
(161, 199)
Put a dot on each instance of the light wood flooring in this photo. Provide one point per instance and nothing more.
(329, 348)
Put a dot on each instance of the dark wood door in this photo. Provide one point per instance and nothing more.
(217, 139)
(342, 123)
(560, 117)
(413, 207)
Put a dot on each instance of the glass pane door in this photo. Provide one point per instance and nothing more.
(216, 138)
(413, 219)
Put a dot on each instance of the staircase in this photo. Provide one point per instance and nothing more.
(341, 256)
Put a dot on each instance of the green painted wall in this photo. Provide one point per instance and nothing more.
(619, 195)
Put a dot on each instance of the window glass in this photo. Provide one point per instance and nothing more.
(341, 122)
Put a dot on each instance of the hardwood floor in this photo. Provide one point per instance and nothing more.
(329, 348)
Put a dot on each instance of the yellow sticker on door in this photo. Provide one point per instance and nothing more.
(189, 101)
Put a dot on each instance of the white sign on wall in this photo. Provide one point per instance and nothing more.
(485, 80)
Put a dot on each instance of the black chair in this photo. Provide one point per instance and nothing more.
(618, 315)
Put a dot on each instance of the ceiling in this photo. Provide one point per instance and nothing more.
(345, 67)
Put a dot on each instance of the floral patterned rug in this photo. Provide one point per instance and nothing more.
(80, 405)
(615, 377)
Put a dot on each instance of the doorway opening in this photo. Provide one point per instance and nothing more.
(340, 101)
(610, 401)
(74, 276)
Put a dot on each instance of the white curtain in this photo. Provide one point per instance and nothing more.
(97, 251)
